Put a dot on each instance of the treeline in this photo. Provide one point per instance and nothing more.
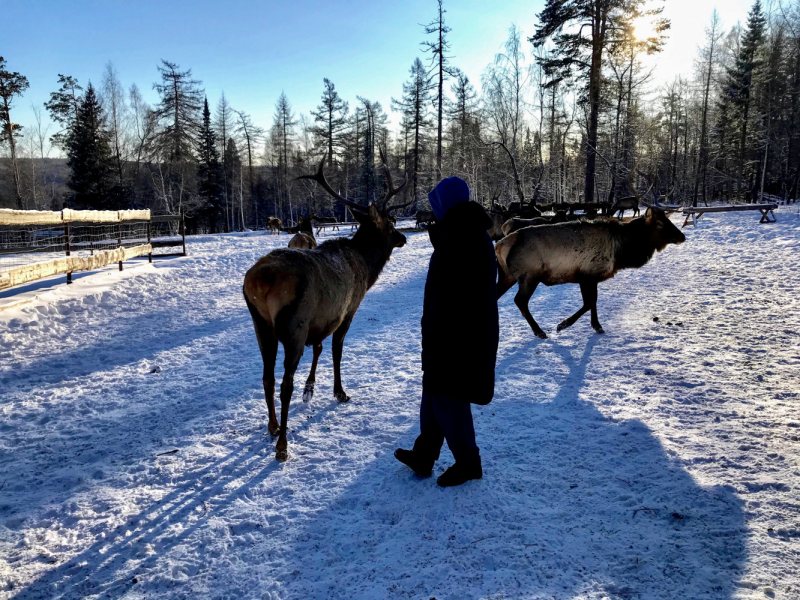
(575, 103)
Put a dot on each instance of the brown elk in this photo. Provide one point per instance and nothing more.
(304, 238)
(425, 217)
(300, 297)
(582, 252)
(274, 224)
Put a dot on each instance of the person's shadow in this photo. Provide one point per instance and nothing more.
(572, 504)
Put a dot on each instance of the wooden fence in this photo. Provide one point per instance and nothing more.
(31, 241)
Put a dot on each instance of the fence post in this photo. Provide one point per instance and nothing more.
(149, 241)
(119, 240)
(183, 233)
(66, 243)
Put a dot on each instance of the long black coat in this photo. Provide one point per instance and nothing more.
(460, 328)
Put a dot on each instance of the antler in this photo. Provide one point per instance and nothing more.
(650, 178)
(393, 191)
(517, 179)
(319, 177)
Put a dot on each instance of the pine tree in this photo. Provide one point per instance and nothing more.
(739, 83)
(413, 107)
(564, 22)
(209, 173)
(63, 107)
(223, 124)
(441, 70)
(89, 156)
(11, 85)
(283, 125)
(368, 175)
(331, 117)
(233, 170)
(178, 112)
(461, 113)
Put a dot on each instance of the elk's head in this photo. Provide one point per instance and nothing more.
(377, 224)
(662, 231)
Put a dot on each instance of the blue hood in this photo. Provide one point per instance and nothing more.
(447, 193)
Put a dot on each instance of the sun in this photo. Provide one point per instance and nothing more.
(644, 29)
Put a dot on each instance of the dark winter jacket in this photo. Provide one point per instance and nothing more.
(460, 328)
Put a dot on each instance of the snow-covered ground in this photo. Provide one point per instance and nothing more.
(659, 460)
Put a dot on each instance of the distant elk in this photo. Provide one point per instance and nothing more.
(304, 238)
(274, 225)
(525, 209)
(582, 252)
(630, 202)
(424, 217)
(300, 297)
(326, 221)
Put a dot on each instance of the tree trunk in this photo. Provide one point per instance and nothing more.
(598, 39)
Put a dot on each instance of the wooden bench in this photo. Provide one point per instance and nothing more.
(335, 226)
(695, 212)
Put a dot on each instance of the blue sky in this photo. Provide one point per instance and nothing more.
(254, 50)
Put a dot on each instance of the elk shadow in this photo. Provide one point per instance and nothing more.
(103, 567)
(572, 503)
(137, 339)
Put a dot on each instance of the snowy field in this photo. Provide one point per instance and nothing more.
(659, 460)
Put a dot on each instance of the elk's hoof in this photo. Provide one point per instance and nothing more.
(341, 396)
(541, 334)
(562, 326)
(599, 329)
(281, 455)
(308, 392)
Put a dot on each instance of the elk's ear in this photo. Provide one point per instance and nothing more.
(359, 216)
(375, 215)
(649, 214)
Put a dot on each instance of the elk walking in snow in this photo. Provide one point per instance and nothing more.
(300, 297)
(274, 225)
(582, 252)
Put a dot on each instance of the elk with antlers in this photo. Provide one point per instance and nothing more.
(300, 297)
(630, 202)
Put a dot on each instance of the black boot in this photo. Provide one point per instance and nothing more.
(459, 474)
(421, 467)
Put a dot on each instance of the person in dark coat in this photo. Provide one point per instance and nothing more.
(460, 333)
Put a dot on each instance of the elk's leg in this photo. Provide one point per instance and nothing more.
(294, 352)
(526, 289)
(308, 392)
(268, 345)
(588, 302)
(269, 351)
(589, 292)
(338, 345)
